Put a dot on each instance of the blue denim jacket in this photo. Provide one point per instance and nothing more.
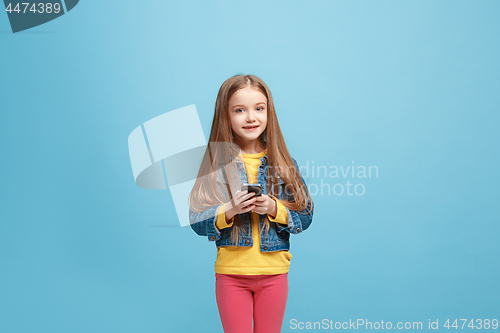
(278, 235)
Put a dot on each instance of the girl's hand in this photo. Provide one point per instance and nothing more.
(243, 202)
(264, 204)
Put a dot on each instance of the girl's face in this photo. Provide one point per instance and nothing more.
(248, 114)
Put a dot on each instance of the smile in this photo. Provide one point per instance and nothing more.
(251, 128)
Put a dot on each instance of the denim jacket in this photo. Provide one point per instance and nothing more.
(278, 236)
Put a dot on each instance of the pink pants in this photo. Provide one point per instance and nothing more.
(241, 298)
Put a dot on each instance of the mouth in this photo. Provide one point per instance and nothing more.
(251, 128)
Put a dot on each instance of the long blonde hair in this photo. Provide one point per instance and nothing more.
(206, 192)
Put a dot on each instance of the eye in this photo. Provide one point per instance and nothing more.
(238, 110)
(261, 108)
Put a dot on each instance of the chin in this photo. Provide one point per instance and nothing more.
(254, 136)
(249, 136)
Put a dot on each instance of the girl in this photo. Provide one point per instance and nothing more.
(251, 232)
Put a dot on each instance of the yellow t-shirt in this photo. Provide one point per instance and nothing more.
(250, 260)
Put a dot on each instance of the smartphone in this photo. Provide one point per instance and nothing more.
(255, 188)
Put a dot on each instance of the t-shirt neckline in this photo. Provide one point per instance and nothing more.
(258, 155)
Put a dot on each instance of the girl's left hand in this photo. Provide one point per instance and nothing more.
(265, 205)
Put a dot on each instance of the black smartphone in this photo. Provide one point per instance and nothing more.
(255, 188)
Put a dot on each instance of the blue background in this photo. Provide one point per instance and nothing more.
(408, 86)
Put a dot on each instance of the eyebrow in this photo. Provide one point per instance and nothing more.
(240, 105)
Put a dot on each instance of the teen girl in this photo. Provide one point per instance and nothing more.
(251, 232)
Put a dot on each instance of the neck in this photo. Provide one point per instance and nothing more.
(251, 147)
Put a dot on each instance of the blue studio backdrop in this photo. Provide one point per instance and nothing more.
(390, 108)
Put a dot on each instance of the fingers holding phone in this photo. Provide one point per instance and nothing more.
(265, 205)
(243, 202)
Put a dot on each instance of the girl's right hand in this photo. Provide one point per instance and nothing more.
(243, 202)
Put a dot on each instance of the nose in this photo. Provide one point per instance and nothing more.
(250, 117)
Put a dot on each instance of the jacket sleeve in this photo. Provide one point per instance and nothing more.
(203, 223)
(221, 219)
(297, 221)
(281, 215)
